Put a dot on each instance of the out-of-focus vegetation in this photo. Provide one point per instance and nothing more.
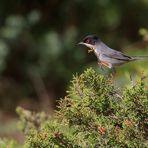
(39, 52)
(5, 143)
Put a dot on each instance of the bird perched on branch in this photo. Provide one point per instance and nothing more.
(107, 56)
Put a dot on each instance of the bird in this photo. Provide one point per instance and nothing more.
(107, 56)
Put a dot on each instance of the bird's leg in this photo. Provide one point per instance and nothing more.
(100, 65)
(113, 72)
(132, 80)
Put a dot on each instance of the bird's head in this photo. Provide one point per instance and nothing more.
(89, 41)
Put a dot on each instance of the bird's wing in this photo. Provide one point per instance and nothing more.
(117, 55)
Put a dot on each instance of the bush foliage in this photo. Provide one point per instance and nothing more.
(93, 114)
(5, 143)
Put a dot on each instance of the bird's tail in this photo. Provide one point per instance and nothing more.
(139, 57)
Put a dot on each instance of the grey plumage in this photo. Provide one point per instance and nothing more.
(139, 57)
(113, 57)
(106, 55)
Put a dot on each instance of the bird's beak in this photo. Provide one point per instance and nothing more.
(81, 43)
(87, 45)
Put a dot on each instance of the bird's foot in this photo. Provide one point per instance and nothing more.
(101, 66)
(90, 50)
(113, 72)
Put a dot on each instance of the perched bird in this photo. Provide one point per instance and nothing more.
(107, 56)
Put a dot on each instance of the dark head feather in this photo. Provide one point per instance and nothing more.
(91, 39)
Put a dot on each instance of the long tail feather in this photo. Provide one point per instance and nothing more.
(139, 57)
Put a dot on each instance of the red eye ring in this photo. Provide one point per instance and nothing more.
(87, 41)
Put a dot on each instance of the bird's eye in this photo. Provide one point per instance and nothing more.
(87, 41)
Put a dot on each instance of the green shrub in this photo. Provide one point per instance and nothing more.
(6, 143)
(93, 114)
